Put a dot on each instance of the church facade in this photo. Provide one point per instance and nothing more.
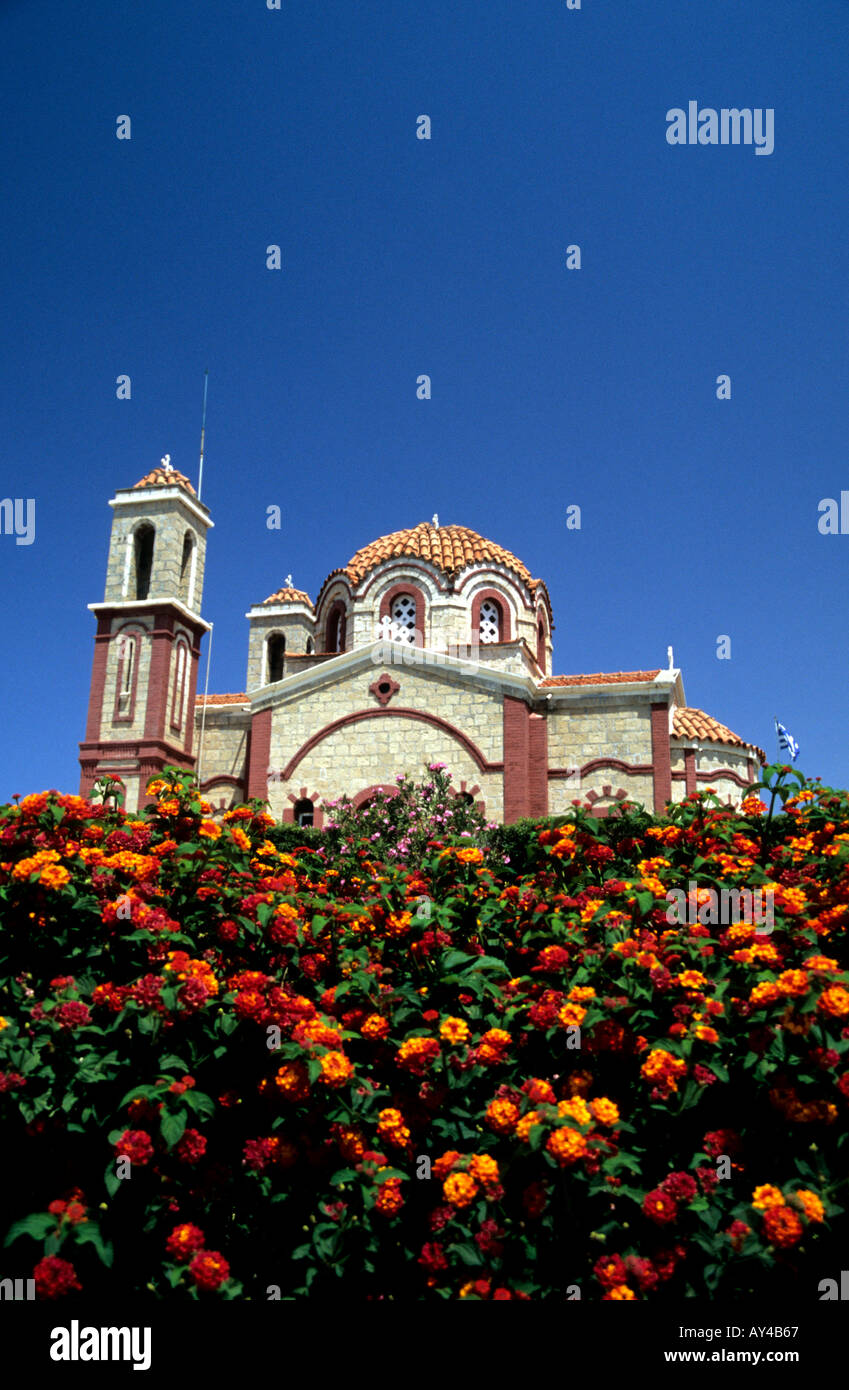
(429, 645)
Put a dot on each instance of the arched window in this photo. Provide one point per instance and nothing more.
(276, 657)
(304, 812)
(178, 695)
(490, 621)
(127, 664)
(309, 646)
(403, 614)
(467, 797)
(144, 559)
(186, 566)
(336, 629)
(541, 645)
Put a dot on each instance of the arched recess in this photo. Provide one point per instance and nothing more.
(491, 597)
(128, 642)
(179, 689)
(275, 658)
(143, 540)
(542, 640)
(401, 591)
(336, 627)
(187, 569)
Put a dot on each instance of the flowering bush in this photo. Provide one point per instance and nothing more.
(398, 824)
(231, 1070)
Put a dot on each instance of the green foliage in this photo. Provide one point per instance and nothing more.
(414, 1056)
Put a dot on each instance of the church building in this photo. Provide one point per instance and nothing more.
(429, 645)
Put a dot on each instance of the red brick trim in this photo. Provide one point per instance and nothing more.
(304, 795)
(470, 791)
(537, 765)
(516, 759)
(399, 712)
(690, 769)
(149, 755)
(711, 777)
(368, 792)
(660, 754)
(383, 696)
(160, 665)
(607, 791)
(221, 781)
(505, 629)
(634, 769)
(433, 574)
(511, 581)
(259, 754)
(128, 630)
(421, 609)
(98, 677)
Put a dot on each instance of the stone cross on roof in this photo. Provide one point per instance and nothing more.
(435, 521)
(669, 658)
(166, 463)
(288, 581)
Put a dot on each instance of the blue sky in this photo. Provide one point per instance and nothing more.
(550, 387)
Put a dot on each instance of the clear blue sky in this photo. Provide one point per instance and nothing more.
(447, 257)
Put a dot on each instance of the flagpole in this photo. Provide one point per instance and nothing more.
(777, 736)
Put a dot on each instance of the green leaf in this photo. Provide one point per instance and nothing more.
(89, 1234)
(173, 1126)
(139, 1093)
(452, 959)
(36, 1226)
(469, 1254)
(199, 1102)
(536, 1134)
(171, 1061)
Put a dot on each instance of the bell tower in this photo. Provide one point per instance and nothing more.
(149, 629)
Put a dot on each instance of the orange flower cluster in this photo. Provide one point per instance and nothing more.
(454, 1031)
(389, 1200)
(185, 967)
(336, 1069)
(391, 1128)
(664, 1070)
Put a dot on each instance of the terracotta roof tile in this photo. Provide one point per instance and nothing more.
(161, 477)
(450, 548)
(289, 595)
(694, 723)
(223, 700)
(609, 678)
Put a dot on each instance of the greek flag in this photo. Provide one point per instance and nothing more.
(787, 742)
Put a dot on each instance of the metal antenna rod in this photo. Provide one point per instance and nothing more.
(202, 432)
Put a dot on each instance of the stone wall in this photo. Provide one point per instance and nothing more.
(225, 741)
(710, 759)
(171, 519)
(295, 625)
(373, 750)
